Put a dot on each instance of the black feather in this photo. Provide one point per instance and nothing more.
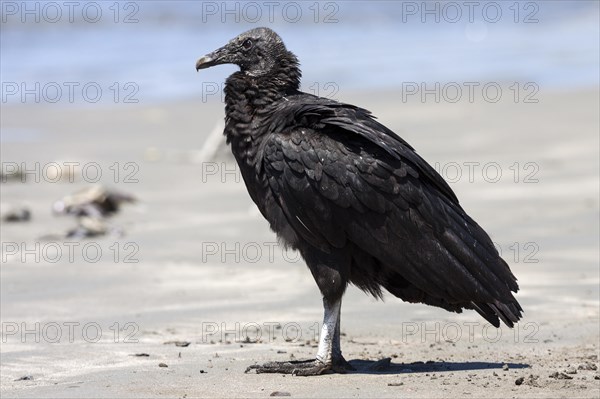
(353, 197)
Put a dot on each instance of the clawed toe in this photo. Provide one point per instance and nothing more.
(299, 367)
(303, 367)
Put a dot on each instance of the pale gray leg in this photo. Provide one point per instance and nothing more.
(337, 347)
(329, 354)
(329, 339)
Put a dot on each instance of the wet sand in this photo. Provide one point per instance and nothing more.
(197, 264)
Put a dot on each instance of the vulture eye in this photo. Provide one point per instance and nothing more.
(247, 45)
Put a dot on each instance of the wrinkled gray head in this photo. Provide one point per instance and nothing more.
(256, 52)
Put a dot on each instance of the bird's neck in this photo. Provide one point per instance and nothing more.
(248, 98)
(260, 91)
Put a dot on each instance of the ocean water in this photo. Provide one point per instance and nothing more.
(146, 50)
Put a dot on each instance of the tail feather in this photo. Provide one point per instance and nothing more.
(509, 313)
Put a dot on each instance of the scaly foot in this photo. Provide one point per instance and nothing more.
(303, 367)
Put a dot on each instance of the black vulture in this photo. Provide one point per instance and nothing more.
(355, 199)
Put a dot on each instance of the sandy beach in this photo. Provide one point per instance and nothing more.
(190, 287)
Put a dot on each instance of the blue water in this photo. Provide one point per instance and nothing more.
(379, 44)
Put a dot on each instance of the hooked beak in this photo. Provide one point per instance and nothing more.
(217, 57)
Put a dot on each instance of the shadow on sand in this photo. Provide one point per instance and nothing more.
(385, 366)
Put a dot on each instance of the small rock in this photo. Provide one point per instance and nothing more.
(181, 344)
(25, 378)
(162, 365)
(560, 376)
(531, 380)
(597, 377)
(140, 354)
(395, 384)
(202, 371)
(571, 370)
(587, 366)
(519, 380)
(280, 351)
(505, 367)
(280, 393)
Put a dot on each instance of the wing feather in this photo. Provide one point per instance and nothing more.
(342, 178)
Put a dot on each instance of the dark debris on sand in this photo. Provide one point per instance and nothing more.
(21, 214)
(91, 207)
(280, 393)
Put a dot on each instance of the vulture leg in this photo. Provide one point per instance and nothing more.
(332, 350)
(329, 355)
(330, 273)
